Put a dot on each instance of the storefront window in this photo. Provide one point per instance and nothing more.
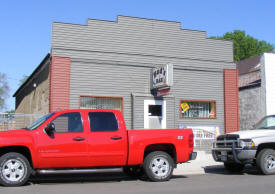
(101, 102)
(197, 109)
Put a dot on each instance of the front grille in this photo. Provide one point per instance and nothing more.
(227, 141)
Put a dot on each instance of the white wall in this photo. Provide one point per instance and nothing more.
(269, 69)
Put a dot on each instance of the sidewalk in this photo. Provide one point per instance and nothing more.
(204, 160)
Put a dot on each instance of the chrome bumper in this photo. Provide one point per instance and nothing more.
(238, 155)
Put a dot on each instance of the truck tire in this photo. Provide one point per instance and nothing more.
(266, 161)
(134, 171)
(233, 167)
(158, 166)
(15, 169)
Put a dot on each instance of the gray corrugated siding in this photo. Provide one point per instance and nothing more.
(140, 36)
(199, 85)
(251, 99)
(115, 59)
(123, 81)
(108, 80)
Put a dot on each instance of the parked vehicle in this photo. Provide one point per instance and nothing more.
(256, 146)
(88, 140)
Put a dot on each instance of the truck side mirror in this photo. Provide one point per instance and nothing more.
(50, 128)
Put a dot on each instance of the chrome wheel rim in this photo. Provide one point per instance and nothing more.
(160, 167)
(13, 170)
(270, 162)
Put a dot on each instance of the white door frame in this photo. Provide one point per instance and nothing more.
(146, 116)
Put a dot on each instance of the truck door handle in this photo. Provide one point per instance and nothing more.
(116, 138)
(78, 139)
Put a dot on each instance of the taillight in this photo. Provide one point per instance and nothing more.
(190, 140)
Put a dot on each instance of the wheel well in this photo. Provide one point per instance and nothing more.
(265, 145)
(18, 149)
(165, 147)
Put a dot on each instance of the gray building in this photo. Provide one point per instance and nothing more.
(158, 74)
(256, 89)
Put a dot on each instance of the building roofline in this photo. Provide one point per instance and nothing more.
(116, 21)
(149, 19)
(254, 71)
(32, 75)
(134, 17)
(220, 39)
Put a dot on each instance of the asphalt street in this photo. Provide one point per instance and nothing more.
(216, 180)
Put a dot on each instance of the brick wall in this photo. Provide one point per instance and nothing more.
(33, 100)
(231, 100)
(59, 83)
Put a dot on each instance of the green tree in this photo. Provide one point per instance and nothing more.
(4, 89)
(10, 111)
(245, 46)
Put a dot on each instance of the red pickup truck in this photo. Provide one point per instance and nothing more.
(90, 140)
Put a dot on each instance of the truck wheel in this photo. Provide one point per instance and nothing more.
(15, 169)
(158, 166)
(134, 172)
(233, 167)
(266, 161)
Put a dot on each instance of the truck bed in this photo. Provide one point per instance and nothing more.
(138, 140)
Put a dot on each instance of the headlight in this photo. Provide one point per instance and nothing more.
(246, 143)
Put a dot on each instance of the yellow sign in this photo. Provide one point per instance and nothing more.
(184, 107)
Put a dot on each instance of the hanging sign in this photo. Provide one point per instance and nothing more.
(162, 77)
(163, 92)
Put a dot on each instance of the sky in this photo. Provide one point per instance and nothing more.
(25, 25)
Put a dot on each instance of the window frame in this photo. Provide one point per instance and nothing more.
(112, 97)
(70, 131)
(210, 101)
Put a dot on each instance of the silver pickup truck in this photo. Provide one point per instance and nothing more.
(256, 146)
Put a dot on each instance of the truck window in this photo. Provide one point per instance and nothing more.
(103, 121)
(39, 122)
(68, 122)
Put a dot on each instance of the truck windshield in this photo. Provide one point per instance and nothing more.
(266, 123)
(39, 122)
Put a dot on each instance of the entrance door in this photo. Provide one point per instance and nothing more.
(154, 114)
